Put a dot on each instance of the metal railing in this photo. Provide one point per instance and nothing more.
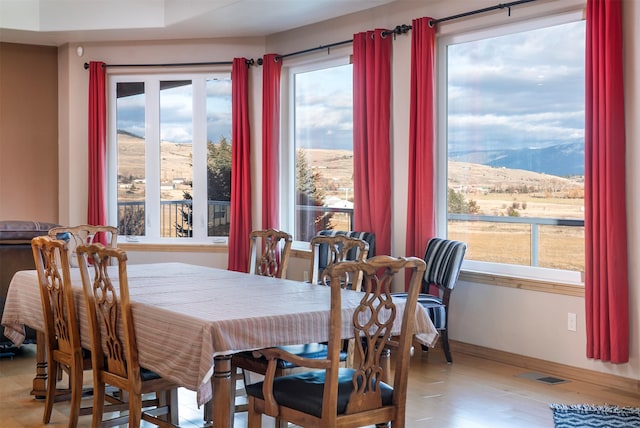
(533, 222)
(175, 218)
(131, 220)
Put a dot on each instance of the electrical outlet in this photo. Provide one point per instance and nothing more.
(571, 321)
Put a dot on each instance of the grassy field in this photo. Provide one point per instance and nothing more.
(559, 247)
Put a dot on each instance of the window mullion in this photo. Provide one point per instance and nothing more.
(199, 159)
(152, 159)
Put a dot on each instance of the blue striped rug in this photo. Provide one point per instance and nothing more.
(587, 416)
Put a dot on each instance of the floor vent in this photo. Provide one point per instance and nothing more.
(550, 380)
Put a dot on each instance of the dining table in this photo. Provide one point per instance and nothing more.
(190, 319)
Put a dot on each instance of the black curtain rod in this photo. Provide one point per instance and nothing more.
(404, 28)
(400, 29)
(475, 12)
(249, 63)
(329, 46)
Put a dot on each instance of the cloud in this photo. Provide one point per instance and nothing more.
(519, 90)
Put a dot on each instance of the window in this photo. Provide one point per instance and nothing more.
(514, 135)
(318, 150)
(170, 155)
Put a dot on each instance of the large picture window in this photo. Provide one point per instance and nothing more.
(170, 155)
(319, 149)
(514, 134)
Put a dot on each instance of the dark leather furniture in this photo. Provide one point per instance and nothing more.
(15, 255)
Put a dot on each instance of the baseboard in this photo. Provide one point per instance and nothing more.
(626, 385)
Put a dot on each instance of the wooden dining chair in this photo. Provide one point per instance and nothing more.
(331, 396)
(327, 250)
(61, 328)
(114, 350)
(269, 251)
(84, 234)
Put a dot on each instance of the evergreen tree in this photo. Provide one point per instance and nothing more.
(309, 194)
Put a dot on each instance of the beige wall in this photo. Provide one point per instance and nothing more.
(28, 133)
(517, 321)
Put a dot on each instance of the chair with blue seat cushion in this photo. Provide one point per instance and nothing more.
(368, 237)
(269, 252)
(61, 327)
(444, 259)
(330, 395)
(84, 234)
(115, 356)
(327, 250)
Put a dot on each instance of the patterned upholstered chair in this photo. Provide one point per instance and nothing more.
(444, 259)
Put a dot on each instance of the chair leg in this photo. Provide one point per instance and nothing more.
(51, 392)
(75, 383)
(135, 410)
(98, 403)
(445, 345)
(254, 418)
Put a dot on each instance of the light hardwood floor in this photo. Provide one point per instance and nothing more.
(470, 393)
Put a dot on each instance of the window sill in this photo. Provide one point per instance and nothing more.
(174, 247)
(544, 286)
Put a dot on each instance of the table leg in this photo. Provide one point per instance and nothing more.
(223, 386)
(40, 381)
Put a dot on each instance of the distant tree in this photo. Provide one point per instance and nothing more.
(310, 194)
(219, 182)
(131, 223)
(457, 203)
(184, 229)
(218, 188)
(219, 171)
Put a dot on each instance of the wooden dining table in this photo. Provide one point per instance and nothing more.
(189, 320)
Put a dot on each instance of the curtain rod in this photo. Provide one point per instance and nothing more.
(249, 63)
(399, 29)
(404, 28)
(475, 12)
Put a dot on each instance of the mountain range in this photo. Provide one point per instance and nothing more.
(562, 160)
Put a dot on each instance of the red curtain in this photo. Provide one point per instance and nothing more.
(240, 226)
(371, 145)
(97, 139)
(420, 198)
(606, 279)
(271, 68)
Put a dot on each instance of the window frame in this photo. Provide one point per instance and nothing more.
(152, 137)
(336, 57)
(441, 152)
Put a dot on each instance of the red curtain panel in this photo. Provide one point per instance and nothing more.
(97, 140)
(271, 70)
(420, 185)
(371, 140)
(606, 276)
(240, 226)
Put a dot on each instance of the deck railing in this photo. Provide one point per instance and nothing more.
(173, 219)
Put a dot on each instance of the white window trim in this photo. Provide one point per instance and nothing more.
(516, 271)
(152, 166)
(336, 57)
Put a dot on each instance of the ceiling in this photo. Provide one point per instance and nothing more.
(56, 22)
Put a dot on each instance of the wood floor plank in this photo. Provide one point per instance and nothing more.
(470, 393)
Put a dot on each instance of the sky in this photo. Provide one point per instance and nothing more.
(176, 111)
(514, 91)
